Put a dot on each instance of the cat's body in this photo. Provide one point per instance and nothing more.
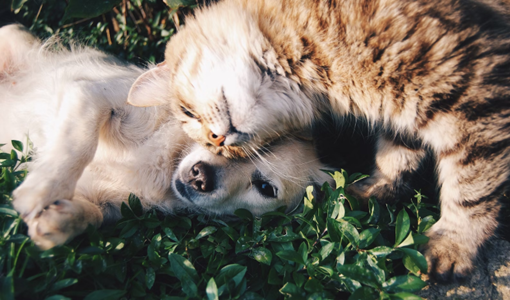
(91, 149)
(432, 74)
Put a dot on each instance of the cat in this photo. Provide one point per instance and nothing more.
(433, 75)
(91, 149)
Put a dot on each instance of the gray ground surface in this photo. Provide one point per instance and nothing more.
(490, 280)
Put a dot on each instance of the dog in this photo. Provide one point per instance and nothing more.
(91, 149)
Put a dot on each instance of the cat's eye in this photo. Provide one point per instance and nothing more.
(265, 188)
(188, 113)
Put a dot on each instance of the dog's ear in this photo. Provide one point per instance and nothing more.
(151, 88)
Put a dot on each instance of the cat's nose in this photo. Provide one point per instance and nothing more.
(218, 140)
(201, 177)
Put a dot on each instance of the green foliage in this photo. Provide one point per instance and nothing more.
(135, 30)
(327, 251)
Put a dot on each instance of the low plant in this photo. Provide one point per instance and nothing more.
(329, 250)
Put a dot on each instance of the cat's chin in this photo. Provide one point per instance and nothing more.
(227, 151)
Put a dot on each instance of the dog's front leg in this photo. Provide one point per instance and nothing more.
(71, 144)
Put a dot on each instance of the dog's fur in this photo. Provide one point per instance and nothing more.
(91, 149)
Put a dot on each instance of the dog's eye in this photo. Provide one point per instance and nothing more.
(188, 113)
(265, 188)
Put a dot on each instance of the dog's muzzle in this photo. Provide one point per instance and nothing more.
(200, 180)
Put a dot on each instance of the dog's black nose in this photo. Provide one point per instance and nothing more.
(201, 177)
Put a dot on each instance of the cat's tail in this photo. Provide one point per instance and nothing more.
(15, 42)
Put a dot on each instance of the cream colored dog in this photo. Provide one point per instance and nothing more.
(91, 149)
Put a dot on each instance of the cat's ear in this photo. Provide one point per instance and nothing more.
(151, 88)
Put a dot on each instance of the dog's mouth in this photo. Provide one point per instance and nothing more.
(181, 190)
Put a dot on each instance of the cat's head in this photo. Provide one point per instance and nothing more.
(225, 84)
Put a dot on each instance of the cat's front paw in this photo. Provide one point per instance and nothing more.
(58, 223)
(449, 257)
(382, 189)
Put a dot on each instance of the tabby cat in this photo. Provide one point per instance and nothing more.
(433, 74)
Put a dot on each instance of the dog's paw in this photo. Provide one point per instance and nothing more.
(449, 258)
(30, 199)
(58, 223)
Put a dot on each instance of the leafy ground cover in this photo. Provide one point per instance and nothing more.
(330, 250)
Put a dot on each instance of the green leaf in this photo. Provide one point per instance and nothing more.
(404, 283)
(363, 293)
(176, 4)
(339, 179)
(262, 255)
(353, 203)
(356, 177)
(414, 261)
(14, 156)
(381, 251)
(291, 290)
(170, 234)
(334, 230)
(313, 286)
(405, 296)
(5, 210)
(426, 223)
(150, 278)
(308, 200)
(205, 232)
(233, 272)
(273, 277)
(57, 297)
(291, 255)
(135, 205)
(8, 163)
(212, 290)
(288, 236)
(244, 214)
(17, 145)
(185, 272)
(367, 237)
(63, 284)
(350, 232)
(326, 249)
(105, 295)
(402, 226)
(408, 241)
(88, 9)
(420, 239)
(17, 5)
(359, 274)
(126, 211)
(374, 211)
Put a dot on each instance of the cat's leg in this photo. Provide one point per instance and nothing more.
(396, 161)
(70, 146)
(63, 220)
(473, 182)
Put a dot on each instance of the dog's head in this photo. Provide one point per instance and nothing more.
(276, 177)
